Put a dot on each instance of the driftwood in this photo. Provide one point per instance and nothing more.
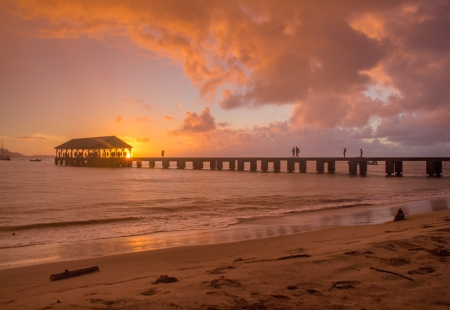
(394, 273)
(73, 273)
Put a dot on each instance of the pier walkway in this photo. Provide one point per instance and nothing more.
(393, 165)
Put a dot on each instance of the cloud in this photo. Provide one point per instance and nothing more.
(319, 57)
(31, 138)
(132, 102)
(194, 123)
(141, 119)
(147, 106)
(142, 140)
(119, 119)
(169, 118)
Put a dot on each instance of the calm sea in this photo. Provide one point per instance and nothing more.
(50, 213)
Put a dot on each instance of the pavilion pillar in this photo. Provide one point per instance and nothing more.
(363, 167)
(197, 164)
(352, 167)
(434, 168)
(302, 166)
(219, 164)
(264, 165)
(232, 164)
(139, 163)
(253, 165)
(276, 165)
(241, 164)
(331, 166)
(320, 166)
(165, 163)
(212, 164)
(181, 164)
(290, 165)
(389, 167)
(151, 163)
(398, 168)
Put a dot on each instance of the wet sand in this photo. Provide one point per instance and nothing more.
(401, 265)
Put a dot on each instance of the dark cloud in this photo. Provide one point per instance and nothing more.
(194, 123)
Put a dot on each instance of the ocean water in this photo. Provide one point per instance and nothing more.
(50, 212)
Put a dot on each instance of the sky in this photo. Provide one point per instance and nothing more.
(227, 77)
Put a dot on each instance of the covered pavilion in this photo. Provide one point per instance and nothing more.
(96, 151)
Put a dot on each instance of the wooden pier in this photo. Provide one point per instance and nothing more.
(110, 151)
(356, 165)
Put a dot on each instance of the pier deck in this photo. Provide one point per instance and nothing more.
(393, 165)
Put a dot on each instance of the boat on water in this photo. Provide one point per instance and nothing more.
(35, 159)
(2, 157)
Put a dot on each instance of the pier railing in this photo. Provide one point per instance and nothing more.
(393, 165)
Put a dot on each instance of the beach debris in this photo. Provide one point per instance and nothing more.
(218, 283)
(73, 273)
(440, 252)
(422, 270)
(294, 256)
(281, 297)
(355, 253)
(394, 273)
(149, 292)
(238, 260)
(14, 234)
(220, 269)
(292, 287)
(165, 279)
(400, 216)
(344, 284)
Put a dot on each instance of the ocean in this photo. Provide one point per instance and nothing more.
(52, 213)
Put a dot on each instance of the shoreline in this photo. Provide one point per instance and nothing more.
(246, 230)
(393, 265)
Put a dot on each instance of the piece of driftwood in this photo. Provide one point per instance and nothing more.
(394, 273)
(294, 256)
(73, 273)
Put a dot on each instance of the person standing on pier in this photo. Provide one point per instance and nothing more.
(360, 152)
(162, 153)
(345, 151)
(297, 150)
(293, 151)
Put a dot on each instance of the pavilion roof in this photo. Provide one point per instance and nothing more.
(108, 142)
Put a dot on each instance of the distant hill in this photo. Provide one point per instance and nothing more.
(6, 152)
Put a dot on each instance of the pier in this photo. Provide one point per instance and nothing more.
(110, 151)
(356, 165)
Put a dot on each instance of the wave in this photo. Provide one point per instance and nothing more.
(68, 223)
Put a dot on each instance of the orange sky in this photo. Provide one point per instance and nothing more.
(240, 78)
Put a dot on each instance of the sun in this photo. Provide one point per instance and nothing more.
(128, 155)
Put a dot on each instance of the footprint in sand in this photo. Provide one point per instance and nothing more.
(344, 284)
(220, 270)
(218, 283)
(149, 292)
(422, 270)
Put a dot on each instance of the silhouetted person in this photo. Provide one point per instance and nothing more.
(360, 152)
(162, 153)
(293, 151)
(297, 150)
(345, 151)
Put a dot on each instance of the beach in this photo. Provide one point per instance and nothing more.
(394, 265)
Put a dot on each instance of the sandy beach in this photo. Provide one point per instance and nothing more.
(396, 265)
